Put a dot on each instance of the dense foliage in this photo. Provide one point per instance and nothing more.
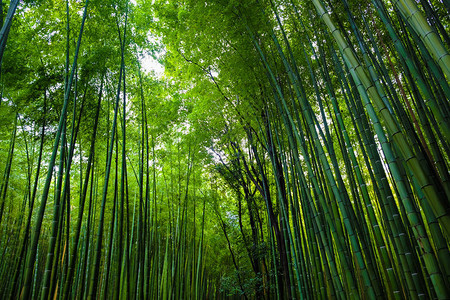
(291, 149)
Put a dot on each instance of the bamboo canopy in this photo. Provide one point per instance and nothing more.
(257, 149)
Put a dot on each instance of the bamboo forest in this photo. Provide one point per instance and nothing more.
(224, 149)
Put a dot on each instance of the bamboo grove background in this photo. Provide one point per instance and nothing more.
(291, 150)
